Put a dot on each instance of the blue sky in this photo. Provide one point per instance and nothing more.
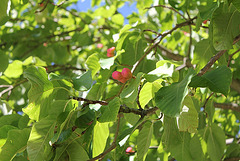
(84, 5)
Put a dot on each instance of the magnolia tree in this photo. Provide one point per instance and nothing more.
(162, 83)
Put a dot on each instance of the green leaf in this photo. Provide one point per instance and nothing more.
(110, 112)
(38, 147)
(171, 135)
(236, 3)
(181, 152)
(196, 148)
(226, 23)
(4, 11)
(93, 64)
(76, 152)
(202, 53)
(3, 59)
(144, 140)
(169, 99)
(206, 9)
(217, 80)
(85, 119)
(101, 133)
(95, 3)
(10, 120)
(16, 143)
(129, 94)
(42, 92)
(14, 70)
(4, 132)
(83, 82)
(216, 143)
(188, 120)
(148, 92)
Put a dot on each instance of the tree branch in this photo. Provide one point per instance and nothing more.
(227, 106)
(215, 58)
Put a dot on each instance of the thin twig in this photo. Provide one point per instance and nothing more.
(90, 101)
(207, 99)
(162, 37)
(43, 7)
(139, 105)
(168, 8)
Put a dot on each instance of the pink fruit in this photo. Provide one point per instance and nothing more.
(110, 52)
(117, 75)
(126, 73)
(99, 45)
(129, 150)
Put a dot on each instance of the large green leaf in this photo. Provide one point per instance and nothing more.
(181, 152)
(188, 120)
(76, 152)
(196, 148)
(101, 133)
(38, 147)
(169, 99)
(4, 11)
(110, 111)
(216, 143)
(171, 135)
(207, 8)
(144, 140)
(16, 143)
(226, 23)
(42, 92)
(203, 51)
(217, 80)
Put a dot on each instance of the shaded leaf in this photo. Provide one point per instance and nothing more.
(16, 143)
(110, 112)
(226, 23)
(144, 140)
(4, 11)
(83, 82)
(3, 59)
(217, 80)
(216, 143)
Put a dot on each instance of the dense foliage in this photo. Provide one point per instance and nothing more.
(159, 84)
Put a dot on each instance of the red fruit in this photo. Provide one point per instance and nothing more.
(126, 73)
(41, 5)
(122, 80)
(205, 21)
(110, 52)
(110, 55)
(45, 44)
(117, 75)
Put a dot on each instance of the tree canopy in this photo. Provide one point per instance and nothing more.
(162, 83)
